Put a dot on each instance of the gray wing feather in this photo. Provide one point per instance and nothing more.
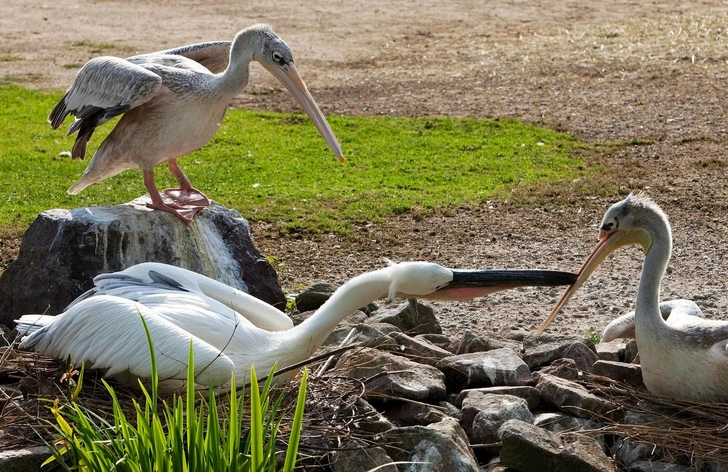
(214, 55)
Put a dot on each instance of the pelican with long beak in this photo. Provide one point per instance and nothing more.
(684, 358)
(228, 329)
(172, 104)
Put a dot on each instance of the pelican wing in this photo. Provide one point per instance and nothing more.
(215, 55)
(104, 88)
(671, 311)
(229, 303)
(106, 333)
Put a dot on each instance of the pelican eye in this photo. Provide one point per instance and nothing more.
(611, 225)
(278, 57)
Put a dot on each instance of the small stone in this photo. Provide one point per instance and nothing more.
(485, 369)
(629, 373)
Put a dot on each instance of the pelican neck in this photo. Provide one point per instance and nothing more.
(647, 308)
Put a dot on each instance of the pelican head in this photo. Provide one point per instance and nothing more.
(434, 282)
(275, 55)
(626, 222)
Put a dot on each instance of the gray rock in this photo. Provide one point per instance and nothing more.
(485, 369)
(23, 460)
(627, 452)
(411, 414)
(437, 447)
(368, 418)
(530, 394)
(367, 334)
(563, 423)
(443, 341)
(411, 317)
(362, 460)
(528, 448)
(482, 415)
(630, 373)
(583, 356)
(395, 376)
(574, 399)
(549, 347)
(630, 351)
(313, 296)
(470, 342)
(418, 349)
(63, 250)
(564, 368)
(351, 320)
(650, 466)
(611, 351)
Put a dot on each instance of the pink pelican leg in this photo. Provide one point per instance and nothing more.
(185, 213)
(186, 194)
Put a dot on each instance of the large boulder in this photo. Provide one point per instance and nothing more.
(63, 250)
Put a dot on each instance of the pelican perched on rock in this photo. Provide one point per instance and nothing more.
(173, 102)
(686, 357)
(103, 327)
(671, 311)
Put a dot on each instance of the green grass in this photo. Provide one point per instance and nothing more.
(276, 168)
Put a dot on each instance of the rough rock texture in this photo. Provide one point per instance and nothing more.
(23, 460)
(482, 415)
(485, 369)
(572, 398)
(363, 459)
(411, 317)
(549, 347)
(583, 356)
(412, 414)
(528, 448)
(63, 250)
(437, 447)
(631, 373)
(418, 349)
(530, 394)
(396, 376)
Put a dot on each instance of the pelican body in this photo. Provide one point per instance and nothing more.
(684, 358)
(229, 330)
(173, 103)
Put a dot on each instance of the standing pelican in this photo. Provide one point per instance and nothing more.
(685, 358)
(173, 102)
(104, 330)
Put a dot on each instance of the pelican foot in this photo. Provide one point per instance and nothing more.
(184, 213)
(190, 196)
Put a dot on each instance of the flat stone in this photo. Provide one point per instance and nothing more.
(412, 317)
(395, 376)
(367, 334)
(362, 459)
(611, 351)
(528, 393)
(572, 398)
(418, 349)
(549, 347)
(23, 460)
(485, 369)
(63, 250)
(561, 422)
(528, 448)
(482, 415)
(583, 356)
(411, 414)
(437, 447)
(629, 373)
(564, 368)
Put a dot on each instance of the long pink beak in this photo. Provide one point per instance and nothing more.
(288, 76)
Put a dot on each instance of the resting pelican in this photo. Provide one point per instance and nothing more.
(173, 102)
(104, 330)
(671, 310)
(685, 358)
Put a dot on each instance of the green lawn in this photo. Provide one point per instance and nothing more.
(275, 167)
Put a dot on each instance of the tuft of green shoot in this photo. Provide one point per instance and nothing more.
(276, 167)
(192, 432)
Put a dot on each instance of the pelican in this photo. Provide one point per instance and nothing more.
(172, 102)
(671, 310)
(103, 329)
(684, 358)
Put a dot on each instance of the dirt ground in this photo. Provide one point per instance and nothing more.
(652, 73)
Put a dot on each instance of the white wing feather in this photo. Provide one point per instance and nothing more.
(115, 341)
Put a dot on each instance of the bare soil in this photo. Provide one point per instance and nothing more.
(647, 80)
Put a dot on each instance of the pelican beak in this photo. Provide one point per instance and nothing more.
(468, 284)
(288, 76)
(608, 243)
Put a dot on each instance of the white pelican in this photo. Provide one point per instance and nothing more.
(686, 357)
(671, 310)
(103, 328)
(173, 102)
